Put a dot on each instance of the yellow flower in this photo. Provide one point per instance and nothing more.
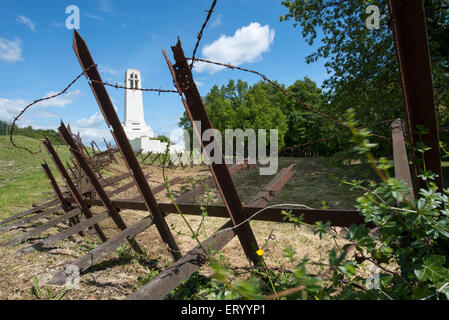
(260, 252)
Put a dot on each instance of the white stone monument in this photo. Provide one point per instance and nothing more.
(135, 126)
(139, 134)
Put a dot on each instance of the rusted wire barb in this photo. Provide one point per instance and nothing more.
(200, 34)
(37, 101)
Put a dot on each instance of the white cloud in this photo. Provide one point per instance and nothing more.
(106, 69)
(62, 100)
(11, 51)
(93, 121)
(217, 22)
(246, 45)
(10, 108)
(26, 21)
(106, 6)
(95, 17)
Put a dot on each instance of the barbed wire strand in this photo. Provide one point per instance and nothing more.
(274, 84)
(64, 91)
(200, 34)
(333, 136)
(37, 101)
(117, 86)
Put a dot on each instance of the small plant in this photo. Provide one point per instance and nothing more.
(405, 242)
(141, 281)
(49, 294)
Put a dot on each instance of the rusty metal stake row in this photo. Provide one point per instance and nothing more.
(107, 108)
(73, 190)
(64, 204)
(113, 212)
(184, 83)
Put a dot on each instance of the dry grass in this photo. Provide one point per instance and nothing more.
(119, 274)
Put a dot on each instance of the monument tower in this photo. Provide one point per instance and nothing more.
(134, 125)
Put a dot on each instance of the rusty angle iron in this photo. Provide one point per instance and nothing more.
(107, 108)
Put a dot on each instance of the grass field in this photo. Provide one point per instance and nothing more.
(22, 180)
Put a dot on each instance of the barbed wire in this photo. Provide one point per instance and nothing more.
(193, 59)
(200, 34)
(37, 101)
(274, 84)
(64, 91)
(117, 86)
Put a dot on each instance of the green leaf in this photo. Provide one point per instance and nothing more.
(433, 269)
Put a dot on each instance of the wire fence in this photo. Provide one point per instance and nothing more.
(193, 59)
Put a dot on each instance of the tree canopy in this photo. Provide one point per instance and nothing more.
(238, 105)
(29, 131)
(361, 61)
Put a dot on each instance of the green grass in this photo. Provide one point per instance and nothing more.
(22, 179)
(314, 181)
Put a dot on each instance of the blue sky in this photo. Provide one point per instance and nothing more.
(36, 56)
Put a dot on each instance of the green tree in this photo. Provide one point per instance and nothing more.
(362, 62)
(239, 106)
(29, 131)
(163, 138)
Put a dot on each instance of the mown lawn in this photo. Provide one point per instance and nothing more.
(22, 179)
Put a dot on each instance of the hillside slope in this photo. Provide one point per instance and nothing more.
(22, 180)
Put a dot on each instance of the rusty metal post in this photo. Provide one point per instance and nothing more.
(73, 190)
(184, 83)
(64, 203)
(401, 167)
(105, 104)
(264, 197)
(412, 49)
(170, 278)
(113, 212)
(93, 148)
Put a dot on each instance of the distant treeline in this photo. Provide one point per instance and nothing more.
(28, 131)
